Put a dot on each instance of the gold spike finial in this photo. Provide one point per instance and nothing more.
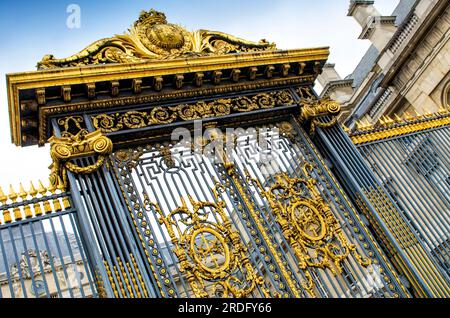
(409, 117)
(52, 188)
(61, 186)
(27, 209)
(22, 193)
(37, 207)
(417, 113)
(428, 113)
(33, 192)
(346, 129)
(398, 119)
(389, 120)
(12, 194)
(41, 189)
(358, 125)
(3, 197)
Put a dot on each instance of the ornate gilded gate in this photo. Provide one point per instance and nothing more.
(240, 224)
(192, 165)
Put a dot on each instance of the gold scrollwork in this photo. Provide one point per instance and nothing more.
(62, 150)
(308, 223)
(211, 254)
(153, 38)
(313, 109)
(186, 112)
(71, 124)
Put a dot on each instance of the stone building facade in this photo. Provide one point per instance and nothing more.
(406, 69)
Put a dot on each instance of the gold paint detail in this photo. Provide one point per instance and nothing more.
(165, 115)
(153, 38)
(71, 125)
(139, 276)
(65, 149)
(111, 279)
(390, 128)
(391, 216)
(166, 154)
(308, 223)
(358, 218)
(313, 109)
(209, 252)
(140, 224)
(100, 285)
(89, 76)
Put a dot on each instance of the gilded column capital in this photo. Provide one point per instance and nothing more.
(312, 109)
(83, 144)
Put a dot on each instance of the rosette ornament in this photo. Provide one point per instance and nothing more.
(64, 150)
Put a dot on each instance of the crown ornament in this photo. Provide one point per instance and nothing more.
(151, 17)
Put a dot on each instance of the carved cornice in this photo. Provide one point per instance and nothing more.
(332, 85)
(373, 23)
(47, 111)
(355, 3)
(291, 67)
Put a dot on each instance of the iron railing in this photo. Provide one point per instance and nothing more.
(414, 168)
(41, 250)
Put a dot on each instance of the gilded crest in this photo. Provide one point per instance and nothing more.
(152, 37)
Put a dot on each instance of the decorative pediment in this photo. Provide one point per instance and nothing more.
(153, 38)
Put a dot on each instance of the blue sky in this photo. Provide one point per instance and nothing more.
(31, 29)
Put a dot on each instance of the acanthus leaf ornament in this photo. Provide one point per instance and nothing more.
(63, 150)
(153, 38)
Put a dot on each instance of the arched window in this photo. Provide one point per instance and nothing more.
(446, 96)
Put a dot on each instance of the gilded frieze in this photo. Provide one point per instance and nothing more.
(186, 112)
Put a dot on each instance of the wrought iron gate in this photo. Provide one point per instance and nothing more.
(264, 219)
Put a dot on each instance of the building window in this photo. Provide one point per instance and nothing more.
(423, 157)
(446, 96)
